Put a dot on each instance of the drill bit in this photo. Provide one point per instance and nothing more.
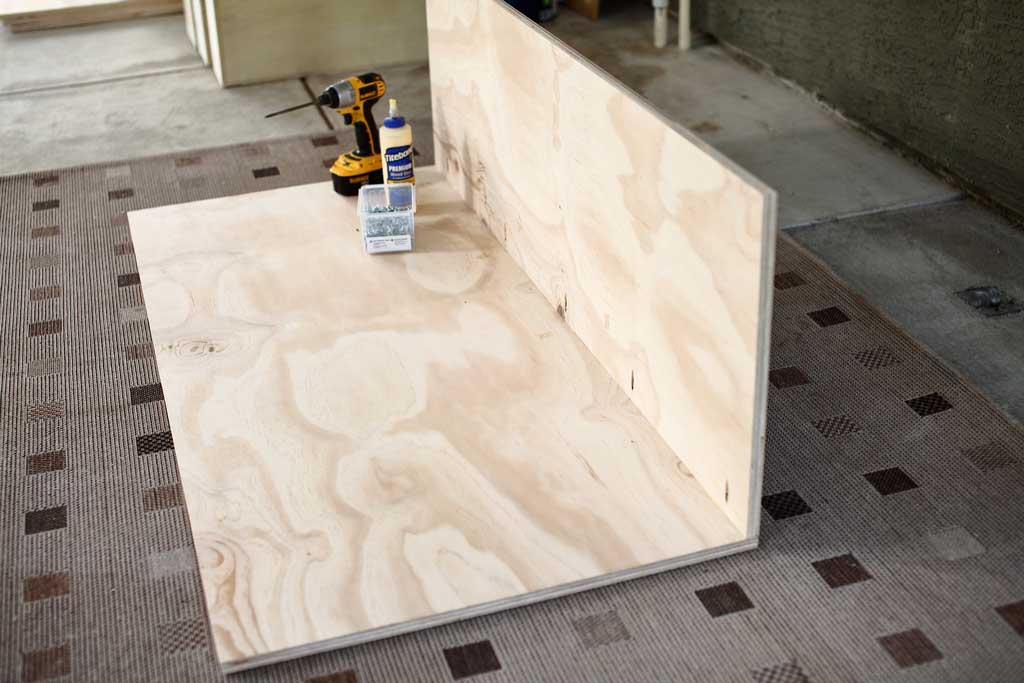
(285, 111)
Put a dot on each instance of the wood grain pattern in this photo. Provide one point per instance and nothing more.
(657, 250)
(253, 41)
(37, 15)
(374, 444)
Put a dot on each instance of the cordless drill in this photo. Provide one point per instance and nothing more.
(354, 98)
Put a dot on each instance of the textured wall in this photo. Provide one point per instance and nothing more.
(944, 77)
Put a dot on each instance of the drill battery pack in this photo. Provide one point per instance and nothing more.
(351, 171)
(348, 186)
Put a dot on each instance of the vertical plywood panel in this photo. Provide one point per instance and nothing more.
(655, 249)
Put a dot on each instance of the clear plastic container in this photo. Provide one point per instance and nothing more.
(386, 216)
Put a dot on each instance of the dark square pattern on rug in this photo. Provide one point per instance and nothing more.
(179, 636)
(783, 378)
(910, 648)
(929, 404)
(154, 443)
(726, 598)
(147, 394)
(788, 280)
(838, 425)
(46, 586)
(267, 172)
(841, 571)
(325, 141)
(993, 455)
(46, 664)
(787, 672)
(827, 317)
(48, 519)
(472, 659)
(46, 462)
(349, 676)
(1013, 614)
(785, 504)
(877, 358)
(45, 327)
(890, 481)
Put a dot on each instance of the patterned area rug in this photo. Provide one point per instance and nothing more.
(892, 544)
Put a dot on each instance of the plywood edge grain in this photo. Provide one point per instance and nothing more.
(484, 609)
(764, 349)
(209, 39)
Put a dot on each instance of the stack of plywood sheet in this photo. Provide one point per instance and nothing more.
(196, 27)
(252, 41)
(561, 387)
(36, 15)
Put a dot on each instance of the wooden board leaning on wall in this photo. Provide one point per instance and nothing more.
(657, 250)
(254, 41)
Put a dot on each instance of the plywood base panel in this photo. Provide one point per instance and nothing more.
(37, 15)
(374, 444)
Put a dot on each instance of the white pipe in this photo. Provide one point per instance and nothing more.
(660, 22)
(684, 24)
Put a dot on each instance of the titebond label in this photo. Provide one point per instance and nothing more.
(399, 164)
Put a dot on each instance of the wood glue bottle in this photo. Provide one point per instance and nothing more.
(396, 143)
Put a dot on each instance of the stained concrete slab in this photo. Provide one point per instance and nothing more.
(911, 264)
(820, 165)
(51, 59)
(136, 117)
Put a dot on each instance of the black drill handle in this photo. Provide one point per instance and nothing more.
(367, 133)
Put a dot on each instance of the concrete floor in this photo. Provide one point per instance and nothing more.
(136, 88)
(911, 264)
(125, 89)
